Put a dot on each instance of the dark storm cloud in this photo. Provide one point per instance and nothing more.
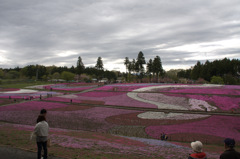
(57, 32)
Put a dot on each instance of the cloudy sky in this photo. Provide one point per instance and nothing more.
(56, 32)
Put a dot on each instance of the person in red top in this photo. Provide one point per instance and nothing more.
(197, 148)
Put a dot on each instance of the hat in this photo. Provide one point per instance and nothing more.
(197, 146)
(229, 142)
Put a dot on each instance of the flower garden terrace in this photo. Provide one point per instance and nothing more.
(208, 113)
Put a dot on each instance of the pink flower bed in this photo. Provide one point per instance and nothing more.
(206, 91)
(223, 102)
(161, 98)
(73, 89)
(101, 94)
(119, 99)
(8, 89)
(95, 113)
(32, 105)
(59, 99)
(222, 126)
(125, 87)
(70, 86)
(27, 95)
(232, 86)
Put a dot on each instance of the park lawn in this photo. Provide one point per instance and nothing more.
(20, 138)
(104, 148)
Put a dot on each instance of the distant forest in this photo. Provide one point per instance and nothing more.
(223, 71)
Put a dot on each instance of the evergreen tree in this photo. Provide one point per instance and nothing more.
(126, 63)
(150, 68)
(196, 72)
(157, 66)
(133, 65)
(99, 64)
(140, 62)
(80, 66)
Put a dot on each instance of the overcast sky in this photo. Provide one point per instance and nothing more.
(56, 32)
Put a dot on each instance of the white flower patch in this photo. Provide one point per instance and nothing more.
(69, 96)
(159, 105)
(200, 105)
(170, 116)
(21, 91)
(170, 86)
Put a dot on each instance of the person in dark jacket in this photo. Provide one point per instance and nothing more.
(197, 148)
(230, 152)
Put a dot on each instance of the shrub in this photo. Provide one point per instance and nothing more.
(217, 80)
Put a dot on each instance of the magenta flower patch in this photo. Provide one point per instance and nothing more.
(60, 99)
(206, 91)
(222, 126)
(70, 86)
(101, 94)
(222, 102)
(114, 98)
(32, 105)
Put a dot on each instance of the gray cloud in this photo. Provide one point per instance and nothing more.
(44, 32)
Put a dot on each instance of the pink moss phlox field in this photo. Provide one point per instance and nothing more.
(206, 91)
(73, 89)
(94, 117)
(101, 94)
(126, 86)
(222, 102)
(222, 126)
(232, 87)
(70, 86)
(60, 99)
(112, 144)
(161, 98)
(118, 99)
(32, 105)
(27, 95)
(99, 113)
(8, 89)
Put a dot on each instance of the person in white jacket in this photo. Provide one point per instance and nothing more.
(41, 131)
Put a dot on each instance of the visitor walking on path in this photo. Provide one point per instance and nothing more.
(197, 148)
(41, 131)
(230, 152)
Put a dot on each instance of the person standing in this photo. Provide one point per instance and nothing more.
(230, 152)
(197, 148)
(41, 131)
(43, 112)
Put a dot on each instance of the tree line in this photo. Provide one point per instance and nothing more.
(223, 71)
(154, 68)
(41, 72)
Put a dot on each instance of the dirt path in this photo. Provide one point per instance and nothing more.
(14, 153)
